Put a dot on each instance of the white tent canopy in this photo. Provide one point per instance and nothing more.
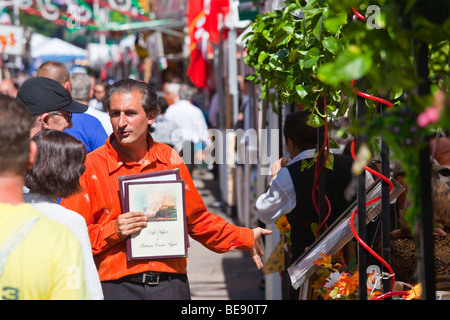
(42, 46)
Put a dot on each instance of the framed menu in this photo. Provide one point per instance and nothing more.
(161, 196)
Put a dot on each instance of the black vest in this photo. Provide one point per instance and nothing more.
(304, 213)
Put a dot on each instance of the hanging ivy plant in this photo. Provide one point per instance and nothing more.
(317, 48)
(389, 46)
(286, 48)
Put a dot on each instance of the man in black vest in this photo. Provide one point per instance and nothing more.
(290, 190)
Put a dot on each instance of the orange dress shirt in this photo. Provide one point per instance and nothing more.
(99, 204)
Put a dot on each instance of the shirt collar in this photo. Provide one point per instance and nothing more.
(306, 154)
(36, 197)
(116, 160)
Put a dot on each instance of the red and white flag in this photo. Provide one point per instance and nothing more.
(218, 9)
(204, 21)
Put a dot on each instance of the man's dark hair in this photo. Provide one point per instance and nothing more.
(15, 124)
(297, 129)
(163, 104)
(148, 95)
(59, 164)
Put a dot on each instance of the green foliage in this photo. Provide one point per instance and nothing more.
(383, 47)
(316, 49)
(390, 50)
(398, 127)
(39, 24)
(307, 50)
(286, 51)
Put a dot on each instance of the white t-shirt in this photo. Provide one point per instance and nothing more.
(76, 223)
(191, 121)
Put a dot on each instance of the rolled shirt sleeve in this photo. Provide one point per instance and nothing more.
(278, 200)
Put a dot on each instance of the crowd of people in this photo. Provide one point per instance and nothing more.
(59, 165)
(65, 141)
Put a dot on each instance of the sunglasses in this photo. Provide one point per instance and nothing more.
(67, 116)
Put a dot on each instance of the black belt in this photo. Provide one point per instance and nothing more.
(151, 278)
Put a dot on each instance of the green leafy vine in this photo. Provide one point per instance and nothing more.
(286, 48)
(314, 49)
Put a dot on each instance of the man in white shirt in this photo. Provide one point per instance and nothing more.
(190, 120)
(290, 191)
(279, 198)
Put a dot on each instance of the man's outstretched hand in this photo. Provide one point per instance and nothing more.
(256, 251)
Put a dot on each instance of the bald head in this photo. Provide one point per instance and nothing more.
(55, 70)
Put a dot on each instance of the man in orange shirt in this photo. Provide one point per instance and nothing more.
(131, 150)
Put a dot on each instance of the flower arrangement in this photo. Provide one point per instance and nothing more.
(335, 280)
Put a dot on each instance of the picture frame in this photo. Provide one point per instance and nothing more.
(161, 196)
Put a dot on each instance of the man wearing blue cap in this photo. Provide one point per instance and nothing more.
(49, 103)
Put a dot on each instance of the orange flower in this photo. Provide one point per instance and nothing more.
(333, 283)
(282, 224)
(415, 293)
(324, 261)
(347, 284)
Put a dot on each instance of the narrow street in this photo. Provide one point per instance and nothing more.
(212, 276)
